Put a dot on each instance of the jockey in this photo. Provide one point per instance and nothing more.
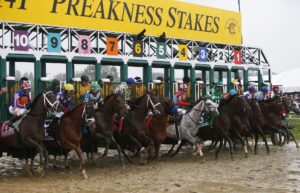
(217, 92)
(250, 94)
(82, 88)
(276, 91)
(55, 87)
(20, 102)
(179, 99)
(139, 89)
(125, 89)
(93, 95)
(65, 97)
(263, 94)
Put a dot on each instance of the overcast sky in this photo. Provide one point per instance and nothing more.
(269, 24)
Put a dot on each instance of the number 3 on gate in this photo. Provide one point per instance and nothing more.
(54, 42)
(183, 52)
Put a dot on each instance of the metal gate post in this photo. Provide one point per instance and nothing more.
(69, 71)
(12, 68)
(124, 72)
(193, 74)
(228, 79)
(2, 84)
(97, 71)
(37, 77)
(246, 79)
(204, 90)
(211, 76)
(147, 72)
(172, 79)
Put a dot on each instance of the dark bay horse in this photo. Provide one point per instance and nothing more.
(256, 120)
(30, 134)
(69, 132)
(111, 105)
(157, 124)
(135, 122)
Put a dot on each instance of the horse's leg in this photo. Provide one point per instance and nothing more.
(121, 157)
(138, 145)
(106, 148)
(171, 150)
(194, 141)
(218, 150)
(157, 148)
(39, 149)
(178, 148)
(242, 141)
(256, 141)
(46, 158)
(259, 129)
(149, 146)
(82, 162)
(293, 137)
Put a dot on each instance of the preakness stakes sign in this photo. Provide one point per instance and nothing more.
(176, 19)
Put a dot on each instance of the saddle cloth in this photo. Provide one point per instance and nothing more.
(6, 131)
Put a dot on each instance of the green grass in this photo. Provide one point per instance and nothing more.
(296, 130)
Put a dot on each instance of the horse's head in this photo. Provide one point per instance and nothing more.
(50, 102)
(88, 115)
(240, 104)
(211, 107)
(153, 103)
(119, 104)
(295, 107)
(288, 104)
(253, 103)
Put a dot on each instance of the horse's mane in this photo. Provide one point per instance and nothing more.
(227, 101)
(271, 100)
(74, 109)
(195, 103)
(108, 97)
(35, 100)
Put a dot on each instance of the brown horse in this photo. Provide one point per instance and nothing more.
(135, 122)
(157, 124)
(69, 130)
(30, 134)
(256, 120)
(111, 105)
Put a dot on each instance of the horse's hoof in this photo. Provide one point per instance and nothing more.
(84, 175)
(246, 155)
(39, 170)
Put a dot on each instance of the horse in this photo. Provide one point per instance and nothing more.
(111, 105)
(157, 125)
(69, 132)
(29, 135)
(256, 120)
(135, 122)
(189, 125)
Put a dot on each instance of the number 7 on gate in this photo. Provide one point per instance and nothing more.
(112, 46)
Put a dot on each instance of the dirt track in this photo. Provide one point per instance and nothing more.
(278, 172)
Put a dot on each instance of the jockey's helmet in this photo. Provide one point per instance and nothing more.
(276, 88)
(25, 86)
(138, 79)
(252, 89)
(232, 92)
(130, 81)
(182, 87)
(95, 88)
(265, 89)
(220, 83)
(186, 80)
(55, 82)
(69, 87)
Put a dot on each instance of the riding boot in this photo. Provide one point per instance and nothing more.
(13, 120)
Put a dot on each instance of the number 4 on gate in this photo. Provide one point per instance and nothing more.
(54, 42)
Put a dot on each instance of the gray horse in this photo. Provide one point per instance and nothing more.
(189, 125)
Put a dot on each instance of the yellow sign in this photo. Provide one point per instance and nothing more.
(176, 19)
(183, 52)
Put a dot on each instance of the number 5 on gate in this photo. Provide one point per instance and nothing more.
(112, 46)
(183, 52)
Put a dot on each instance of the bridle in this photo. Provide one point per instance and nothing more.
(48, 102)
(84, 116)
(149, 100)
